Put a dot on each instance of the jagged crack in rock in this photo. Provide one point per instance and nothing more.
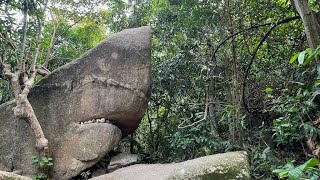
(84, 107)
(223, 166)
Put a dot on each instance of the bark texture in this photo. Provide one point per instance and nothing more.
(310, 22)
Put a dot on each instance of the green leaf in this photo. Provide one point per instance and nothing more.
(301, 57)
(41, 164)
(289, 165)
(34, 160)
(310, 58)
(309, 51)
(317, 81)
(45, 159)
(282, 173)
(268, 90)
(311, 163)
(293, 58)
(295, 173)
(40, 176)
(246, 174)
(279, 170)
(264, 153)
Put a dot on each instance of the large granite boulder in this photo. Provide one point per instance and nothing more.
(84, 107)
(223, 166)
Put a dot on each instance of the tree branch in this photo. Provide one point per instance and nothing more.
(203, 119)
(52, 41)
(6, 68)
(245, 30)
(10, 42)
(29, 83)
(254, 55)
(21, 61)
(76, 22)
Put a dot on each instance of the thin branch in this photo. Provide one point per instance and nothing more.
(5, 35)
(10, 42)
(8, 15)
(254, 55)
(150, 128)
(29, 83)
(6, 68)
(39, 33)
(203, 119)
(52, 40)
(12, 77)
(21, 63)
(76, 22)
(245, 30)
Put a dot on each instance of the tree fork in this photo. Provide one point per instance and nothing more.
(23, 109)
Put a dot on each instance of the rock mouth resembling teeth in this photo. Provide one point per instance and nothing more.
(99, 120)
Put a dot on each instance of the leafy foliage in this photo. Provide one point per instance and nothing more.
(85, 174)
(185, 35)
(306, 169)
(42, 163)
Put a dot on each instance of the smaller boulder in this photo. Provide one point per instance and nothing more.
(122, 160)
(19, 172)
(231, 165)
(11, 176)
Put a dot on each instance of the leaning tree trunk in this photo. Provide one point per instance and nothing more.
(310, 22)
(22, 79)
(24, 110)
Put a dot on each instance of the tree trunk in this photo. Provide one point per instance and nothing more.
(310, 22)
(233, 123)
(24, 111)
(312, 29)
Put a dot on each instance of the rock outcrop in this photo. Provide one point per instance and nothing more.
(122, 160)
(223, 166)
(84, 107)
(11, 176)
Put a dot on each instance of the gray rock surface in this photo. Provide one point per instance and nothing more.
(11, 176)
(98, 172)
(3, 168)
(122, 160)
(111, 81)
(215, 167)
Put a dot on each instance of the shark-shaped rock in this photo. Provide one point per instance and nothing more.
(84, 107)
